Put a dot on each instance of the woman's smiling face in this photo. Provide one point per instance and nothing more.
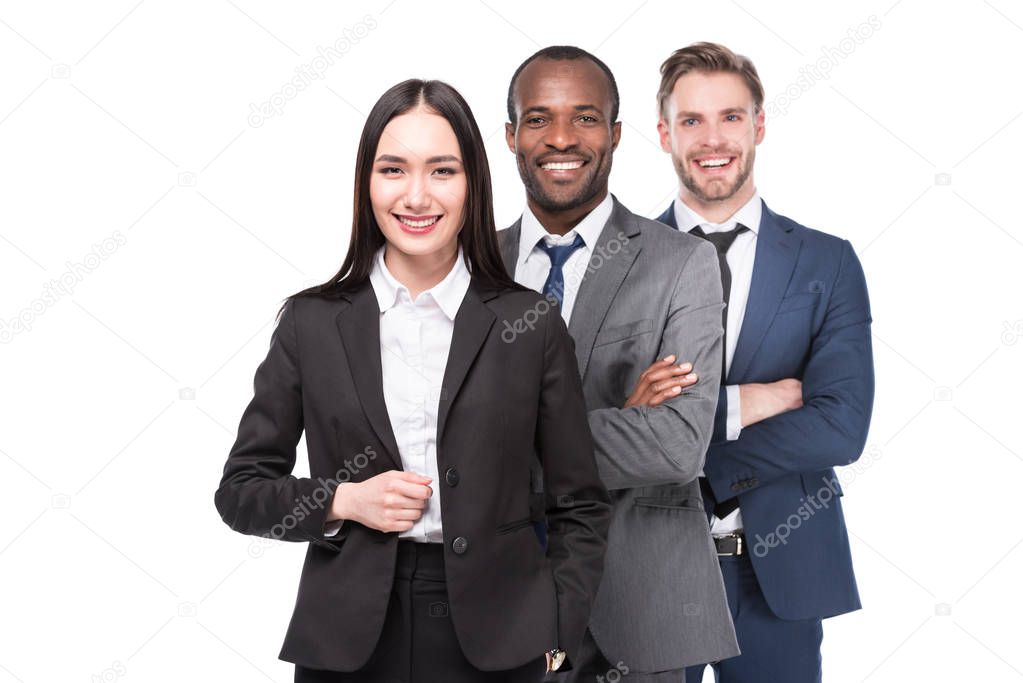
(418, 187)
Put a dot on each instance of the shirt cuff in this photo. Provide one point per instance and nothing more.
(332, 527)
(733, 418)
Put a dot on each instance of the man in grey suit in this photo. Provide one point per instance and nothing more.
(637, 297)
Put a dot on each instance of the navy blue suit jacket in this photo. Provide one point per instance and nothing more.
(807, 317)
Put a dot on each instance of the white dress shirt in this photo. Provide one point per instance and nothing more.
(534, 264)
(740, 257)
(415, 337)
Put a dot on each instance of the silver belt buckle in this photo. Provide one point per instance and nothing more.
(738, 544)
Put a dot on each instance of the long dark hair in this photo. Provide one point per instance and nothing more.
(478, 236)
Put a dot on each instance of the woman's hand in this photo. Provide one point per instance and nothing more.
(390, 501)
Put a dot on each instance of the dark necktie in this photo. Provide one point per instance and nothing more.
(555, 284)
(721, 241)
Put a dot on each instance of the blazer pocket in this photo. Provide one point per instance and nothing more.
(797, 302)
(514, 526)
(815, 483)
(692, 504)
(610, 335)
(327, 545)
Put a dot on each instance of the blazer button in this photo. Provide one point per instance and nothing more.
(736, 487)
(451, 476)
(460, 545)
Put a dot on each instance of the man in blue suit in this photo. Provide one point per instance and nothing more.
(797, 384)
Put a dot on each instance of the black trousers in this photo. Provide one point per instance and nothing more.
(418, 643)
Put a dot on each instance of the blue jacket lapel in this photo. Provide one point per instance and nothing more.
(776, 255)
(668, 217)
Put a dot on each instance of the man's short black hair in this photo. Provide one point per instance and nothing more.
(563, 52)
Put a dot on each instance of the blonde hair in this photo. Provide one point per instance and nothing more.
(707, 58)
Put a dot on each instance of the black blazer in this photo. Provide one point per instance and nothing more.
(511, 393)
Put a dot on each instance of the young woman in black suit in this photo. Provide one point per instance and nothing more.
(426, 382)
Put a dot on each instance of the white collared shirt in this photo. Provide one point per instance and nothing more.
(740, 257)
(415, 337)
(533, 264)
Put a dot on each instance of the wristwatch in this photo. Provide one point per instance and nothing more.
(555, 658)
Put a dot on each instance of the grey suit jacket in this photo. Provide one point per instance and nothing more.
(650, 291)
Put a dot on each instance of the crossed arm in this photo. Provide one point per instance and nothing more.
(828, 426)
(661, 433)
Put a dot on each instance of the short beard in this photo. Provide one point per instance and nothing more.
(589, 190)
(689, 180)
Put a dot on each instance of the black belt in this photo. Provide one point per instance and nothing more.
(420, 560)
(732, 544)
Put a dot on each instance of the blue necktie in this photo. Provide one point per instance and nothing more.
(554, 288)
(555, 284)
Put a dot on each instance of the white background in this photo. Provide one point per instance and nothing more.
(129, 122)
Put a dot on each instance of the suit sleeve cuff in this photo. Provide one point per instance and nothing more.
(330, 529)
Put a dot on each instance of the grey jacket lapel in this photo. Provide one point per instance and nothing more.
(509, 242)
(610, 260)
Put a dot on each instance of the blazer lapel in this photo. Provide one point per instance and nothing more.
(472, 325)
(776, 254)
(509, 242)
(359, 324)
(610, 261)
(668, 217)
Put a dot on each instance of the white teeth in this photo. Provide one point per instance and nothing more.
(419, 224)
(561, 165)
(713, 163)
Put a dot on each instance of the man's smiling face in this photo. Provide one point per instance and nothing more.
(711, 129)
(563, 137)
